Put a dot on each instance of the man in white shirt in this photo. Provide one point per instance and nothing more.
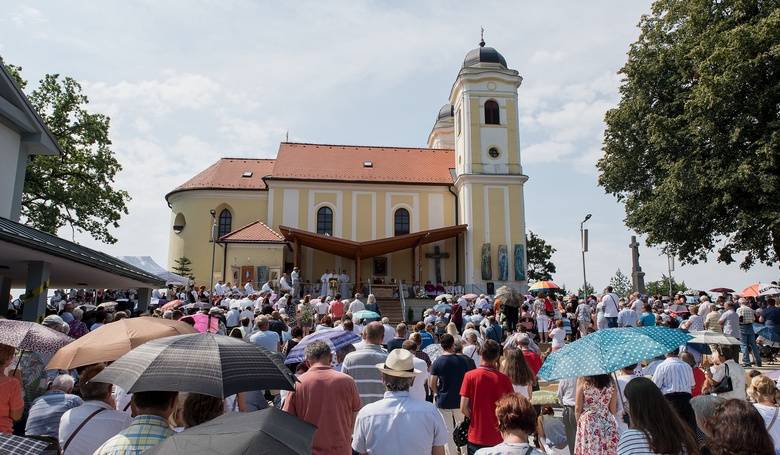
(295, 276)
(705, 306)
(267, 289)
(232, 318)
(636, 303)
(567, 389)
(674, 378)
(324, 283)
(611, 305)
(356, 305)
(344, 283)
(627, 317)
(248, 288)
(219, 289)
(389, 331)
(104, 421)
(284, 283)
(264, 337)
(398, 423)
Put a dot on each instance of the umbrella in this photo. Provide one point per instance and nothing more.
(87, 306)
(543, 286)
(336, 339)
(108, 305)
(266, 432)
(204, 363)
(442, 307)
(30, 336)
(443, 297)
(114, 340)
(609, 350)
(365, 315)
(758, 289)
(11, 444)
(470, 296)
(172, 305)
(203, 320)
(722, 290)
(712, 337)
(434, 351)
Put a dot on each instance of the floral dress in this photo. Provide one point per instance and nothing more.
(597, 432)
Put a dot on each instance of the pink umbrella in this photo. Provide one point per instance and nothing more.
(205, 320)
(470, 296)
(172, 305)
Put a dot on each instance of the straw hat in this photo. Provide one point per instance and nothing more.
(399, 363)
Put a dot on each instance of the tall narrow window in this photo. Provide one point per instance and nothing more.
(492, 115)
(401, 222)
(325, 221)
(225, 223)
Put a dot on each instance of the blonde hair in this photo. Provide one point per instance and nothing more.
(452, 329)
(762, 387)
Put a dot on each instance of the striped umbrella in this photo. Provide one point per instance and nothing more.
(609, 350)
(540, 286)
(30, 336)
(758, 289)
(172, 305)
(204, 363)
(336, 339)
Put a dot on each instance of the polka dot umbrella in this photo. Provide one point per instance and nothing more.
(609, 350)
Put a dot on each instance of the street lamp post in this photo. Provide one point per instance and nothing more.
(213, 247)
(584, 248)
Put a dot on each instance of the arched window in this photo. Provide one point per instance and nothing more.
(401, 222)
(225, 223)
(325, 221)
(492, 113)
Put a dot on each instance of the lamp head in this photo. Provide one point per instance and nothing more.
(212, 212)
(587, 217)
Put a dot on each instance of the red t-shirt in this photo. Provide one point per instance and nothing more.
(698, 382)
(337, 308)
(484, 386)
(533, 360)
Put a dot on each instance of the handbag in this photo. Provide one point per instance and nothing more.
(724, 385)
(460, 435)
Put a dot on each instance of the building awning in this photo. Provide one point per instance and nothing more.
(362, 250)
(257, 232)
(70, 265)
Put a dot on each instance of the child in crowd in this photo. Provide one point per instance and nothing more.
(558, 336)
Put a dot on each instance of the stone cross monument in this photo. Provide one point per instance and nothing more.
(637, 275)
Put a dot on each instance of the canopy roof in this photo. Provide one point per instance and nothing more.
(256, 232)
(147, 264)
(354, 250)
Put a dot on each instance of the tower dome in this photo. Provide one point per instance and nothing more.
(445, 112)
(484, 54)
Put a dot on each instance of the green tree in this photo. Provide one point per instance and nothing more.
(661, 287)
(589, 290)
(693, 147)
(183, 267)
(540, 267)
(76, 188)
(621, 284)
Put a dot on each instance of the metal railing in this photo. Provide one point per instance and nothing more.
(402, 295)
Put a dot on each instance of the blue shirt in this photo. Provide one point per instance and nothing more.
(46, 412)
(647, 319)
(426, 339)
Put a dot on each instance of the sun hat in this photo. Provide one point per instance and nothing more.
(400, 363)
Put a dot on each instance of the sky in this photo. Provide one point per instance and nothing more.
(188, 82)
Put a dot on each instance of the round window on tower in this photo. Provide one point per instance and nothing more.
(493, 152)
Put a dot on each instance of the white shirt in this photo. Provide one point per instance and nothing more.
(389, 333)
(737, 374)
(219, 289)
(266, 287)
(768, 413)
(674, 376)
(398, 424)
(567, 391)
(705, 308)
(232, 317)
(627, 318)
(638, 305)
(611, 305)
(284, 285)
(248, 288)
(321, 307)
(417, 391)
(295, 277)
(267, 339)
(356, 305)
(558, 336)
(98, 430)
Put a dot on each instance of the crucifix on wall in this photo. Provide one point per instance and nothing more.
(437, 256)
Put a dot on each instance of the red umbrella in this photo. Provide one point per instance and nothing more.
(722, 290)
(172, 305)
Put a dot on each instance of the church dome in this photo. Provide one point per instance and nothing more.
(484, 54)
(445, 112)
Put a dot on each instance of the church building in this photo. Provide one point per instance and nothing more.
(451, 212)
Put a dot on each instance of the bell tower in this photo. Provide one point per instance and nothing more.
(489, 175)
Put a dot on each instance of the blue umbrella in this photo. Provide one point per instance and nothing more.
(609, 350)
(366, 315)
(442, 307)
(336, 339)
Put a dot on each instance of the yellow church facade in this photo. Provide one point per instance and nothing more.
(451, 212)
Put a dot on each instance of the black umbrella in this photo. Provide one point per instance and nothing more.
(266, 432)
(204, 363)
(22, 446)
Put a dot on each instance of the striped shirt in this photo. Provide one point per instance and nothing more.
(361, 365)
(145, 432)
(747, 315)
(674, 376)
(46, 412)
(634, 442)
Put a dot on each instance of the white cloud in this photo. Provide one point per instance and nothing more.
(544, 56)
(26, 15)
(546, 152)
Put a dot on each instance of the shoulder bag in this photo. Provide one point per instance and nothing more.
(725, 385)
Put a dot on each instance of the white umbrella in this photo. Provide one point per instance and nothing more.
(443, 296)
(712, 337)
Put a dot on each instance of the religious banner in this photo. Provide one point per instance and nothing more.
(487, 266)
(519, 262)
(503, 263)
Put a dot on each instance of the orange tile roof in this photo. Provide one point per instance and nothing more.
(227, 174)
(345, 163)
(257, 232)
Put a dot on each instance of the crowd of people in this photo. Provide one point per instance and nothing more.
(462, 379)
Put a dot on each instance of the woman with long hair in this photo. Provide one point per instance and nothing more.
(654, 425)
(517, 369)
(595, 407)
(738, 429)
